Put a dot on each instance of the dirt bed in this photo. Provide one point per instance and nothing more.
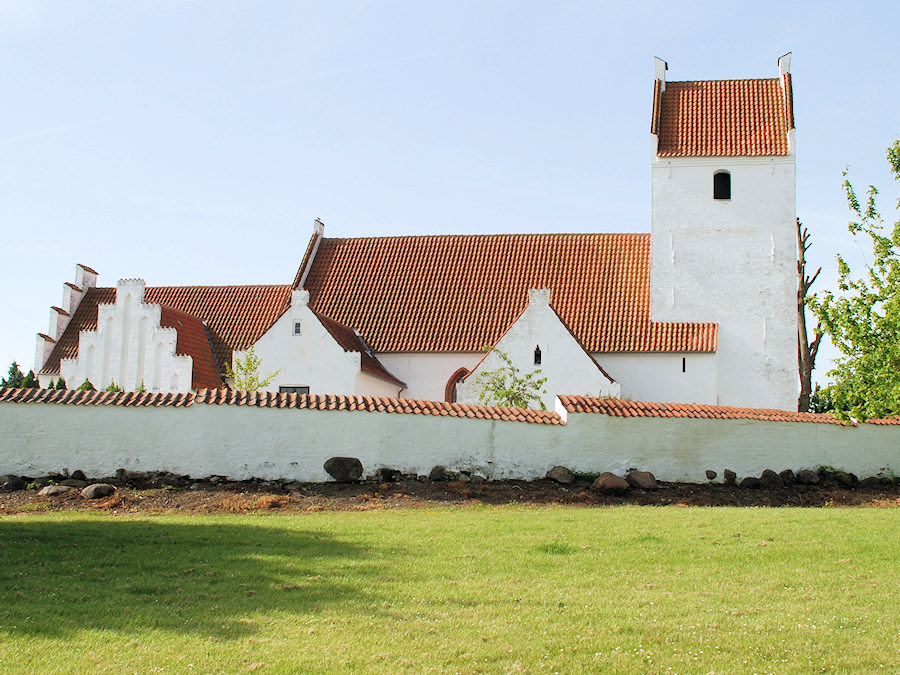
(209, 497)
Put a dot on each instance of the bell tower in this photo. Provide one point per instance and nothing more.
(723, 245)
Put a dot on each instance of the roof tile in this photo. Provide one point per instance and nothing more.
(461, 292)
(723, 118)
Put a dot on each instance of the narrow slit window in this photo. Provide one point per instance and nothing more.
(537, 355)
(721, 185)
(683, 364)
(297, 327)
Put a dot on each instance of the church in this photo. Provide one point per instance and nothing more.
(700, 310)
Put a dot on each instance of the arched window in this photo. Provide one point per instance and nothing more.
(450, 389)
(721, 185)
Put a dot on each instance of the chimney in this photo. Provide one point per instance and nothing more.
(784, 65)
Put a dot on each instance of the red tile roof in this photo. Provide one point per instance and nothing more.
(236, 315)
(723, 118)
(193, 340)
(461, 292)
(264, 399)
(620, 408)
(349, 341)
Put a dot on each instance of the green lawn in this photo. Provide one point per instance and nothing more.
(484, 589)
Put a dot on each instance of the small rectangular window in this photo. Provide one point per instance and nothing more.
(293, 390)
(297, 327)
(683, 365)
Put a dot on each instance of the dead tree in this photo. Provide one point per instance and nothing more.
(806, 350)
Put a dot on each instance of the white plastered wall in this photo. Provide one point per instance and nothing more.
(129, 347)
(565, 364)
(202, 440)
(312, 359)
(676, 377)
(426, 374)
(732, 262)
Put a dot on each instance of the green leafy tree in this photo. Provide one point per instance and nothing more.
(506, 386)
(113, 386)
(30, 381)
(14, 378)
(60, 384)
(86, 386)
(863, 319)
(246, 374)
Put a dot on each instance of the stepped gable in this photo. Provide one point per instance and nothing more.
(236, 316)
(461, 292)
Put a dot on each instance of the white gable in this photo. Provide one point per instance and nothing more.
(539, 333)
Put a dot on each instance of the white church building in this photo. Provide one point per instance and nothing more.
(700, 310)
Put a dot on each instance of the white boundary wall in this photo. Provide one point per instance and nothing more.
(241, 441)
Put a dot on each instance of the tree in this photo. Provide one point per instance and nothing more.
(14, 378)
(863, 321)
(246, 374)
(60, 384)
(506, 387)
(114, 387)
(30, 381)
(86, 386)
(806, 350)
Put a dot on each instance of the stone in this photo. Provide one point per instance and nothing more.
(610, 483)
(561, 474)
(78, 474)
(807, 477)
(871, 482)
(54, 490)
(344, 469)
(788, 478)
(769, 480)
(729, 477)
(385, 475)
(438, 472)
(98, 490)
(11, 482)
(710, 474)
(842, 478)
(643, 480)
(751, 482)
(74, 483)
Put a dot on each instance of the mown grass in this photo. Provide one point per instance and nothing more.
(490, 589)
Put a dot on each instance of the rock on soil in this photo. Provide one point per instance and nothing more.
(643, 480)
(729, 476)
(344, 469)
(54, 490)
(807, 477)
(710, 474)
(98, 490)
(11, 482)
(769, 479)
(751, 482)
(610, 484)
(561, 475)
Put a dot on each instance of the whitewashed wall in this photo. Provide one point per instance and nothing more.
(663, 376)
(564, 363)
(426, 374)
(732, 262)
(243, 441)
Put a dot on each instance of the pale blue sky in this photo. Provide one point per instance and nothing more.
(195, 142)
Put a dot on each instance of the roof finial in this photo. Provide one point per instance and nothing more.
(318, 226)
(784, 65)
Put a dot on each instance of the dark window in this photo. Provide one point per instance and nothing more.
(297, 326)
(683, 365)
(722, 185)
(537, 355)
(293, 390)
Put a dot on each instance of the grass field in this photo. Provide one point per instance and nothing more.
(483, 589)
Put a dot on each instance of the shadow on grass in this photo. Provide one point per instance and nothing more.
(210, 578)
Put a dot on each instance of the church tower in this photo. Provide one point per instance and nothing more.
(723, 226)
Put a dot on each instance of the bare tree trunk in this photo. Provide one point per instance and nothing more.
(806, 350)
